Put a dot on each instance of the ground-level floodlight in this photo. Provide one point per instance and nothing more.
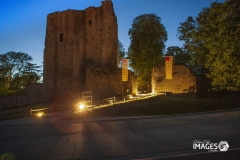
(81, 106)
(39, 114)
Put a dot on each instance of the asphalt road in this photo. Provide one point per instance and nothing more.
(160, 137)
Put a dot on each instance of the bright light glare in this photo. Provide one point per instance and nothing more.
(81, 106)
(40, 114)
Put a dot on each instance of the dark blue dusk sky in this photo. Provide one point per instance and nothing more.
(23, 22)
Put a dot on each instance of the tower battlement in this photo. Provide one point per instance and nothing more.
(106, 1)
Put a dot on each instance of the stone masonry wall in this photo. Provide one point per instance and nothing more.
(75, 40)
(182, 82)
(33, 93)
(105, 82)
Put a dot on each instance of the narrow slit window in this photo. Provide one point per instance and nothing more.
(61, 37)
(90, 22)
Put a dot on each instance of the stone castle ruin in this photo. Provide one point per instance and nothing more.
(183, 81)
(79, 42)
(81, 54)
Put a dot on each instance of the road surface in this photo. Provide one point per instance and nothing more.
(158, 137)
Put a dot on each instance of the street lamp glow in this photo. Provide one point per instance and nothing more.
(81, 106)
(40, 114)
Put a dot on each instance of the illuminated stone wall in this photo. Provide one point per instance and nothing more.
(76, 40)
(182, 80)
(107, 82)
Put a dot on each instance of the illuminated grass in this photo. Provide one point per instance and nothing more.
(162, 105)
(159, 105)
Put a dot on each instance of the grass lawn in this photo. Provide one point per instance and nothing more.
(158, 105)
(166, 105)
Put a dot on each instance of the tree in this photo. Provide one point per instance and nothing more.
(32, 73)
(16, 72)
(213, 39)
(148, 37)
(180, 57)
(121, 51)
(193, 46)
(4, 81)
(219, 28)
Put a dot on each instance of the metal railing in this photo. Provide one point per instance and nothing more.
(36, 111)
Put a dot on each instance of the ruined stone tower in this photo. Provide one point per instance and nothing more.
(76, 40)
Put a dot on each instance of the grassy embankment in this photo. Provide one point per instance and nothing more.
(158, 105)
(161, 105)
